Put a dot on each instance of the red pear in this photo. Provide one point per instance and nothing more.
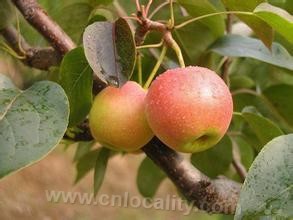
(189, 109)
(117, 118)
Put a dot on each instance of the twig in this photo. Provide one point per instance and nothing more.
(40, 20)
(236, 162)
(228, 61)
(139, 68)
(150, 45)
(211, 15)
(39, 58)
(240, 169)
(157, 9)
(225, 70)
(156, 68)
(172, 19)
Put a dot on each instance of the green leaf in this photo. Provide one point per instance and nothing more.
(110, 51)
(239, 46)
(269, 107)
(260, 28)
(281, 97)
(218, 4)
(73, 19)
(268, 189)
(216, 160)
(188, 35)
(125, 47)
(100, 168)
(32, 122)
(6, 13)
(246, 151)
(285, 4)
(264, 128)
(278, 18)
(100, 14)
(205, 31)
(85, 164)
(149, 178)
(82, 149)
(196, 8)
(77, 81)
(251, 138)
(240, 81)
(100, 2)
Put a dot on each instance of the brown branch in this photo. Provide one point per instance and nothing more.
(146, 25)
(236, 162)
(216, 196)
(40, 20)
(39, 58)
(240, 169)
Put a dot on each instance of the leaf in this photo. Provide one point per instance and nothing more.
(218, 4)
(239, 46)
(240, 81)
(268, 189)
(32, 122)
(82, 149)
(110, 51)
(6, 13)
(205, 31)
(281, 97)
(85, 164)
(125, 46)
(278, 18)
(188, 35)
(264, 128)
(77, 81)
(197, 8)
(216, 160)
(100, 2)
(285, 4)
(73, 19)
(100, 14)
(260, 28)
(246, 151)
(251, 138)
(100, 168)
(149, 178)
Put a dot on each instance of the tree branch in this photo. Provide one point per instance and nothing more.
(236, 162)
(216, 196)
(40, 20)
(240, 169)
(39, 58)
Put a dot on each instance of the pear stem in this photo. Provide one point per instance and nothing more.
(139, 68)
(211, 15)
(156, 67)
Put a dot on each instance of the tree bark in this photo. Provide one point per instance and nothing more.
(48, 28)
(213, 196)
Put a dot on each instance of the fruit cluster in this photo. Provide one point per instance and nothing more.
(189, 109)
